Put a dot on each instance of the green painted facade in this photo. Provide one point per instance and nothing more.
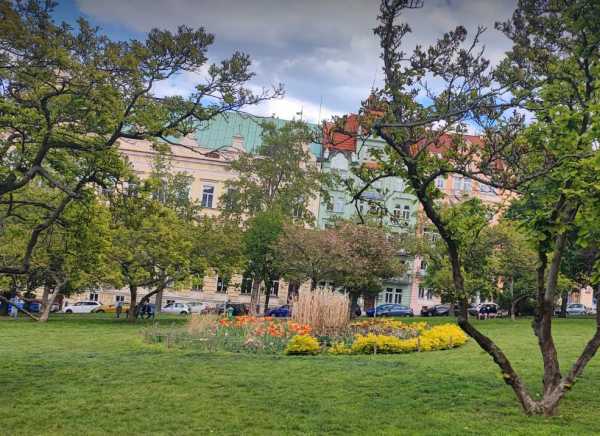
(391, 193)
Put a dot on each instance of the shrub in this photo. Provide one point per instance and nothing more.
(340, 348)
(441, 337)
(302, 344)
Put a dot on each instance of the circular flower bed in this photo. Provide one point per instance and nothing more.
(274, 336)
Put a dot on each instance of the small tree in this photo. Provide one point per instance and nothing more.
(151, 245)
(552, 71)
(262, 232)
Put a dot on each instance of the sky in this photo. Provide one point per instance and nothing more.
(324, 52)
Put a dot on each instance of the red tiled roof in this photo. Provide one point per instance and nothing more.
(335, 138)
(445, 141)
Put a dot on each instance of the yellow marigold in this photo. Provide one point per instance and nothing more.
(441, 337)
(340, 348)
(302, 344)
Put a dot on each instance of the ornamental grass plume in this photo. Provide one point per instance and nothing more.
(325, 311)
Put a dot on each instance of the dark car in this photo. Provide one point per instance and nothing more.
(484, 309)
(237, 308)
(437, 310)
(390, 310)
(284, 311)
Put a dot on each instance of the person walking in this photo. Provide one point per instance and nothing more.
(149, 311)
(142, 309)
(14, 311)
(119, 308)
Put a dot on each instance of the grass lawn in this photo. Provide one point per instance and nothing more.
(92, 374)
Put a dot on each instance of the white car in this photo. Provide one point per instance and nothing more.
(180, 308)
(197, 307)
(84, 307)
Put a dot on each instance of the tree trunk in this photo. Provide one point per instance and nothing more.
(267, 298)
(131, 316)
(4, 307)
(353, 304)
(255, 297)
(48, 305)
(158, 303)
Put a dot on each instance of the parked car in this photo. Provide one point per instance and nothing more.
(85, 307)
(284, 311)
(576, 309)
(437, 310)
(483, 309)
(180, 308)
(238, 308)
(390, 310)
(198, 307)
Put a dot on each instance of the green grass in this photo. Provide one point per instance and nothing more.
(85, 375)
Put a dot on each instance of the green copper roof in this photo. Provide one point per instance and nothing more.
(219, 131)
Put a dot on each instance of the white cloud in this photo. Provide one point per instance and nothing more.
(317, 48)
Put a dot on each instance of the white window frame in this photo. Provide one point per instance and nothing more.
(94, 296)
(120, 298)
(440, 182)
(208, 195)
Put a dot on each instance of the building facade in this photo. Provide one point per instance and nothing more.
(206, 156)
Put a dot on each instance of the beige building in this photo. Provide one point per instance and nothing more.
(205, 156)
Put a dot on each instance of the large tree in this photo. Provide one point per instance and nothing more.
(280, 174)
(67, 96)
(357, 258)
(551, 71)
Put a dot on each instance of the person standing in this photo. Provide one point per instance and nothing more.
(119, 308)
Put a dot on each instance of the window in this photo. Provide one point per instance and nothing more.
(208, 192)
(486, 189)
(421, 292)
(246, 286)
(457, 183)
(467, 184)
(93, 296)
(393, 295)
(406, 213)
(429, 294)
(398, 296)
(222, 284)
(423, 265)
(293, 290)
(440, 182)
(389, 295)
(273, 286)
(298, 208)
(119, 298)
(338, 205)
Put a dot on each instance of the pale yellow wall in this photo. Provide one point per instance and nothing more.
(206, 170)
